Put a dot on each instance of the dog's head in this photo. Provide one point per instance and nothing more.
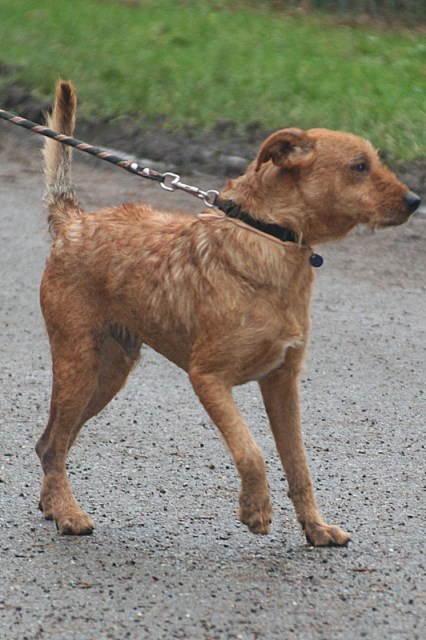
(326, 182)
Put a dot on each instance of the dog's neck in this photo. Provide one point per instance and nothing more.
(233, 210)
(285, 234)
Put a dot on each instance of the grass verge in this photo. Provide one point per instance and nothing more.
(194, 63)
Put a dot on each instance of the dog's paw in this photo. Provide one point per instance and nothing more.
(323, 535)
(76, 524)
(71, 523)
(256, 513)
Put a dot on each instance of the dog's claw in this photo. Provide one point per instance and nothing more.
(323, 535)
(80, 525)
(257, 515)
(71, 524)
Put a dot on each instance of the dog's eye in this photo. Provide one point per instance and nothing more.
(360, 167)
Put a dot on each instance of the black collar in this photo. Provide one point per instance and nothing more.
(231, 209)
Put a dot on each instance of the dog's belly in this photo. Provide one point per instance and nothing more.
(177, 352)
(242, 345)
(238, 364)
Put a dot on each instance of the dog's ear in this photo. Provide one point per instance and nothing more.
(287, 148)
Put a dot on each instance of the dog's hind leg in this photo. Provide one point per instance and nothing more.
(216, 396)
(280, 391)
(117, 359)
(86, 376)
(75, 370)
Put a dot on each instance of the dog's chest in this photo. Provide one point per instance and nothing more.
(275, 355)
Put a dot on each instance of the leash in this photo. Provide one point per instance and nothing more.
(168, 181)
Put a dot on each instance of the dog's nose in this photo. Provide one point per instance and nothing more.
(412, 201)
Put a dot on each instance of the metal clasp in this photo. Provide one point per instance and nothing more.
(171, 181)
(209, 197)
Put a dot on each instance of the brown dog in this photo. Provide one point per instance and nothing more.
(222, 299)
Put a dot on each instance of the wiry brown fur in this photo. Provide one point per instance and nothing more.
(60, 198)
(222, 301)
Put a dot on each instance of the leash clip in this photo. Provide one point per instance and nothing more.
(209, 197)
(172, 181)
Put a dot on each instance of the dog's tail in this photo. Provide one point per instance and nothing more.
(60, 197)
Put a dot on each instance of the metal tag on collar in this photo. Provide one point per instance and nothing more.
(316, 260)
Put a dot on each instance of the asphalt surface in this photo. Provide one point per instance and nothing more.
(168, 558)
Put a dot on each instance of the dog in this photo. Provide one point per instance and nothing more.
(226, 297)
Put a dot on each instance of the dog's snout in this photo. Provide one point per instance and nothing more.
(412, 201)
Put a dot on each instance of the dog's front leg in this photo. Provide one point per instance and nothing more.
(216, 396)
(280, 391)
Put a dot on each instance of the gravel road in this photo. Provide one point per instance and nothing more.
(168, 558)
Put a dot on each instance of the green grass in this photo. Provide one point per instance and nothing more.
(193, 63)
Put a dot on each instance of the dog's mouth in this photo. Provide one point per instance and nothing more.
(411, 202)
(393, 220)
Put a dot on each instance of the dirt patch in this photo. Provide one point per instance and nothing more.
(223, 151)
